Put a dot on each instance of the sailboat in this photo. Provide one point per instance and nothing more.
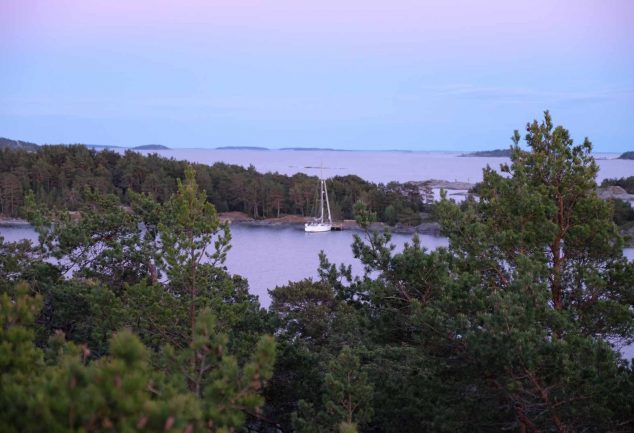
(320, 224)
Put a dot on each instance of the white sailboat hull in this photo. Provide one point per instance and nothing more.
(317, 227)
(320, 225)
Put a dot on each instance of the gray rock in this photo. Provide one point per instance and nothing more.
(614, 192)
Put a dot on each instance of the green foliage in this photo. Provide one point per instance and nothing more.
(306, 308)
(85, 311)
(111, 394)
(101, 269)
(155, 315)
(623, 213)
(187, 231)
(347, 393)
(227, 391)
(507, 329)
(346, 427)
(346, 398)
(122, 392)
(99, 241)
(547, 284)
(546, 209)
(20, 261)
(124, 318)
(188, 227)
(20, 360)
(17, 316)
(58, 175)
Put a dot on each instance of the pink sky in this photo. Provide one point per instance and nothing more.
(402, 73)
(434, 25)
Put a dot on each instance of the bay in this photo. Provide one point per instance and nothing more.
(273, 256)
(269, 257)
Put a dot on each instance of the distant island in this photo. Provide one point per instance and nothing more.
(151, 147)
(627, 155)
(102, 146)
(7, 143)
(328, 149)
(242, 148)
(496, 153)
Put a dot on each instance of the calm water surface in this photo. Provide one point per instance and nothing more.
(374, 166)
(269, 257)
(272, 256)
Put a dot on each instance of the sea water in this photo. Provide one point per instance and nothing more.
(273, 256)
(378, 167)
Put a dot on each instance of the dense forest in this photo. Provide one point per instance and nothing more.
(61, 176)
(126, 320)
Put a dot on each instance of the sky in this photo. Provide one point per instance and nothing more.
(349, 74)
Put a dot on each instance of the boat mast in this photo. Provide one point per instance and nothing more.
(327, 201)
(321, 202)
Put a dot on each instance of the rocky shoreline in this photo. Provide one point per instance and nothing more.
(614, 192)
(427, 228)
(240, 218)
(13, 222)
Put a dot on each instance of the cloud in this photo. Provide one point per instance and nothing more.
(526, 95)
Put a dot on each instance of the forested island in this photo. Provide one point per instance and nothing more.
(627, 155)
(282, 148)
(7, 143)
(242, 148)
(151, 147)
(497, 153)
(62, 176)
(312, 149)
(123, 318)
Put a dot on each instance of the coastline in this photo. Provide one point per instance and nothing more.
(12, 222)
(297, 221)
(240, 218)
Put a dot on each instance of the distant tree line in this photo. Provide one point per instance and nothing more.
(58, 175)
(496, 153)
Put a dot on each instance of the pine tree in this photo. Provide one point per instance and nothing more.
(189, 228)
(539, 289)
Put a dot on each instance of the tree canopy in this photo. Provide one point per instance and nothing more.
(59, 176)
(124, 318)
